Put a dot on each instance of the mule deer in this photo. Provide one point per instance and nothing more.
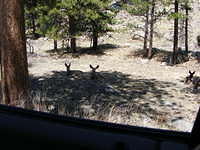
(68, 68)
(93, 73)
(195, 80)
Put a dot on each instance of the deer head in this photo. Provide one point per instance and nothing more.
(189, 78)
(67, 67)
(93, 74)
(94, 68)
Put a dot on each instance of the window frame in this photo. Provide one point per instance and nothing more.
(20, 114)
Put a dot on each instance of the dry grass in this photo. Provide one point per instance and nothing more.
(139, 93)
(130, 115)
(146, 93)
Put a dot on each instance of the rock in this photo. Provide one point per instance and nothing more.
(166, 103)
(168, 36)
(87, 109)
(175, 108)
(41, 79)
(51, 107)
(193, 55)
(42, 55)
(137, 35)
(45, 38)
(182, 124)
(163, 64)
(144, 61)
(146, 120)
(110, 89)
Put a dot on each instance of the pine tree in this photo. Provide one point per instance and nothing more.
(186, 7)
(32, 12)
(52, 21)
(97, 18)
(147, 10)
(142, 8)
(13, 52)
(146, 31)
(175, 46)
(149, 55)
(71, 18)
(72, 10)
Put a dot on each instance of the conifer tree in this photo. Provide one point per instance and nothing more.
(15, 82)
(186, 7)
(97, 18)
(71, 18)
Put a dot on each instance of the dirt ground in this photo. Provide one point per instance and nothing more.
(128, 89)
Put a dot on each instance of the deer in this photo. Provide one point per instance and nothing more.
(93, 72)
(195, 80)
(68, 68)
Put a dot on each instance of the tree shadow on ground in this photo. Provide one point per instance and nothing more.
(101, 49)
(77, 92)
(161, 55)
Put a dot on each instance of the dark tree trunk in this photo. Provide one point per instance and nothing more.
(151, 30)
(33, 4)
(175, 46)
(73, 44)
(55, 45)
(72, 31)
(1, 92)
(95, 40)
(33, 25)
(13, 52)
(198, 40)
(124, 1)
(146, 32)
(186, 28)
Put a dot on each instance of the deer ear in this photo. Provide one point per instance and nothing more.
(65, 64)
(69, 64)
(97, 66)
(193, 72)
(190, 72)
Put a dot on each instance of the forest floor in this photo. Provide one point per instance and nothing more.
(129, 89)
